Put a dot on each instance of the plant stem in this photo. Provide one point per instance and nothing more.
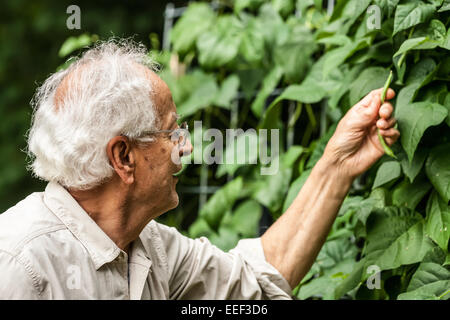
(444, 294)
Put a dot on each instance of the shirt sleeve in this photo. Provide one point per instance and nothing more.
(16, 282)
(199, 270)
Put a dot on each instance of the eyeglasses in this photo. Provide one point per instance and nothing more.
(177, 135)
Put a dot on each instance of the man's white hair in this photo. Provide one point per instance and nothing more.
(77, 111)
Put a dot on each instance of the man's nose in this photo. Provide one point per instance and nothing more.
(186, 149)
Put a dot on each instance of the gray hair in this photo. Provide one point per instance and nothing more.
(78, 110)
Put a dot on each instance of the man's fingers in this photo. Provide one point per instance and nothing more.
(374, 97)
(389, 132)
(389, 94)
(391, 141)
(386, 124)
(386, 110)
(390, 136)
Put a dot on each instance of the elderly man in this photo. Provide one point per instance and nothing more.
(103, 134)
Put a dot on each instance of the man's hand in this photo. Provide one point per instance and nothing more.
(355, 146)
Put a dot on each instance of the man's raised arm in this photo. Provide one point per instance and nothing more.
(293, 242)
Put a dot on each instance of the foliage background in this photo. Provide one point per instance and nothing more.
(396, 215)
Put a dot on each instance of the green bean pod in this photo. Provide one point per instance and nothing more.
(386, 148)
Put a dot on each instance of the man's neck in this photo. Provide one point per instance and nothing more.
(109, 208)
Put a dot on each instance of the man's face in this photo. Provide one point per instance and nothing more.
(155, 183)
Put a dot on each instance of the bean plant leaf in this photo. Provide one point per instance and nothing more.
(387, 172)
(447, 105)
(396, 237)
(294, 189)
(252, 44)
(410, 14)
(410, 247)
(221, 202)
(438, 220)
(220, 44)
(370, 79)
(412, 169)
(240, 151)
(388, 6)
(445, 6)
(227, 92)
(414, 119)
(410, 44)
(196, 20)
(202, 97)
(335, 260)
(336, 57)
(246, 218)
(410, 194)
(430, 281)
(269, 84)
(272, 190)
(438, 170)
(307, 92)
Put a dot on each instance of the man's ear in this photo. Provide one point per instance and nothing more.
(122, 157)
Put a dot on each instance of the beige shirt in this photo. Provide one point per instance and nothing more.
(51, 249)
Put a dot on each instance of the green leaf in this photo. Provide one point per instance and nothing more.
(387, 172)
(202, 97)
(438, 170)
(294, 55)
(270, 82)
(411, 44)
(220, 202)
(410, 247)
(438, 220)
(446, 42)
(388, 6)
(227, 92)
(414, 119)
(334, 58)
(395, 237)
(294, 189)
(307, 92)
(434, 291)
(74, 43)
(195, 21)
(370, 79)
(225, 239)
(435, 31)
(427, 273)
(200, 228)
(252, 44)
(271, 191)
(410, 14)
(220, 44)
(409, 194)
(430, 281)
(336, 260)
(246, 218)
(239, 152)
(240, 5)
(412, 169)
(447, 105)
(445, 6)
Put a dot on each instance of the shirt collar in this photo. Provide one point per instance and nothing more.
(101, 248)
